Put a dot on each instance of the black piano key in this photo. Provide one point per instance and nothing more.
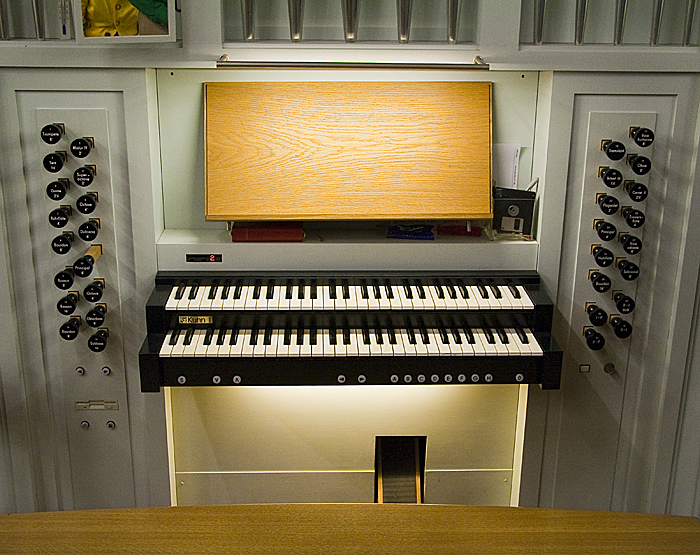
(208, 336)
(463, 289)
(365, 333)
(257, 286)
(450, 289)
(270, 289)
(443, 334)
(174, 336)
(467, 331)
(254, 334)
(225, 290)
(180, 291)
(378, 332)
(221, 335)
(238, 289)
(268, 334)
(423, 331)
(313, 289)
(193, 290)
(188, 336)
(363, 289)
(513, 290)
(489, 335)
(376, 289)
(332, 292)
(438, 287)
(521, 334)
(495, 290)
(234, 334)
(300, 333)
(390, 331)
(290, 288)
(302, 286)
(452, 328)
(346, 335)
(333, 335)
(482, 290)
(288, 333)
(212, 290)
(407, 289)
(419, 287)
(346, 289)
(388, 290)
(502, 335)
(313, 334)
(409, 330)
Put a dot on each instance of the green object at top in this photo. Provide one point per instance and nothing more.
(155, 10)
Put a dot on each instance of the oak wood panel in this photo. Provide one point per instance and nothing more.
(348, 150)
(351, 528)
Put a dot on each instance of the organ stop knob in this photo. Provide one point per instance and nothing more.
(64, 279)
(85, 175)
(93, 292)
(594, 340)
(634, 218)
(82, 146)
(96, 317)
(52, 133)
(643, 136)
(628, 270)
(624, 303)
(53, 162)
(611, 177)
(68, 304)
(62, 243)
(641, 165)
(608, 204)
(614, 150)
(601, 282)
(630, 243)
(87, 203)
(88, 230)
(84, 265)
(57, 190)
(637, 192)
(605, 230)
(69, 330)
(622, 328)
(596, 315)
(60, 216)
(602, 256)
(98, 340)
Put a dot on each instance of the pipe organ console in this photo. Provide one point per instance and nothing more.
(140, 369)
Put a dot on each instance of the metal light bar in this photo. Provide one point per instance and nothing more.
(656, 14)
(540, 6)
(3, 31)
(620, 13)
(247, 7)
(37, 20)
(224, 62)
(296, 19)
(351, 12)
(452, 19)
(403, 12)
(689, 15)
(581, 11)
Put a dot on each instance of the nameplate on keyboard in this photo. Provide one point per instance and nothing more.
(195, 320)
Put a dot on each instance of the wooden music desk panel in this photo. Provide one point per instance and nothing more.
(349, 529)
(348, 150)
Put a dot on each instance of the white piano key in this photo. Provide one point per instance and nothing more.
(363, 349)
(449, 301)
(351, 301)
(534, 345)
(229, 301)
(501, 348)
(205, 303)
(375, 349)
(455, 348)
(294, 347)
(477, 346)
(352, 348)
(171, 303)
(166, 347)
(372, 301)
(242, 340)
(283, 302)
(490, 348)
(246, 348)
(383, 300)
(274, 302)
(188, 350)
(511, 346)
(340, 301)
(421, 347)
(523, 348)
(431, 346)
(443, 348)
(200, 349)
(327, 350)
(261, 301)
(259, 347)
(240, 302)
(423, 303)
(467, 348)
(386, 348)
(217, 303)
(327, 303)
(282, 349)
(184, 301)
(179, 347)
(213, 347)
(469, 300)
(361, 302)
(409, 348)
(340, 348)
(438, 303)
(249, 302)
(318, 347)
(224, 349)
(400, 300)
(525, 298)
(305, 347)
(295, 301)
(482, 304)
(398, 348)
(307, 302)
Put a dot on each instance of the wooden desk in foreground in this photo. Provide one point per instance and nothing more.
(330, 529)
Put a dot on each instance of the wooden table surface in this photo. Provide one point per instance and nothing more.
(348, 528)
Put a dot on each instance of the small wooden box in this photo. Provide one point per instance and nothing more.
(348, 150)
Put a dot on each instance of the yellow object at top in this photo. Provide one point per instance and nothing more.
(107, 18)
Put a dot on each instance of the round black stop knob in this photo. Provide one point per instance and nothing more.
(61, 244)
(630, 243)
(605, 230)
(84, 176)
(594, 340)
(623, 303)
(643, 136)
(603, 256)
(51, 133)
(634, 218)
(59, 217)
(69, 330)
(596, 315)
(611, 177)
(608, 204)
(81, 147)
(57, 190)
(67, 304)
(53, 162)
(93, 292)
(638, 192)
(622, 328)
(601, 282)
(641, 165)
(628, 270)
(98, 341)
(615, 150)
(86, 204)
(96, 317)
(83, 266)
(64, 279)
(88, 231)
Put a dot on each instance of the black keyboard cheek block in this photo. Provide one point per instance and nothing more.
(211, 330)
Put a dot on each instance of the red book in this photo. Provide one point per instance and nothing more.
(268, 231)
